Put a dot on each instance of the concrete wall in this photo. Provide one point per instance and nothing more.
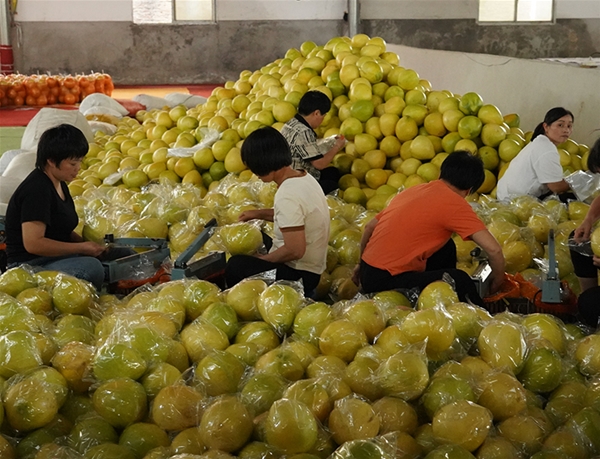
(210, 53)
(70, 36)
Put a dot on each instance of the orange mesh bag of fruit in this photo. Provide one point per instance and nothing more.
(499, 301)
(567, 306)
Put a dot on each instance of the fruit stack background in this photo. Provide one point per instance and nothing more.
(41, 90)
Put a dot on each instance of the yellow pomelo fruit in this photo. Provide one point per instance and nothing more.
(517, 255)
(355, 195)
(489, 182)
(508, 149)
(408, 79)
(283, 111)
(489, 113)
(360, 91)
(502, 346)
(467, 145)
(183, 166)
(291, 427)
(434, 124)
(364, 142)
(421, 148)
(469, 127)
(396, 180)
(413, 180)
(406, 129)
(503, 395)
(416, 112)
(348, 73)
(353, 419)
(371, 127)
(226, 424)
(489, 156)
(409, 166)
(492, 134)
(428, 171)
(375, 158)
(233, 161)
(374, 178)
(394, 105)
(450, 119)
(431, 324)
(390, 145)
(350, 128)
(387, 124)
(371, 70)
(462, 423)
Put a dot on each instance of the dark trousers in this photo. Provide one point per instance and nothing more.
(239, 267)
(588, 305)
(330, 177)
(443, 261)
(582, 264)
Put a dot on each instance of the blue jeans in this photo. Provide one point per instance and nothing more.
(83, 267)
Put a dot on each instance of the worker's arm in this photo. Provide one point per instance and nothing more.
(293, 248)
(558, 187)
(36, 243)
(488, 242)
(257, 214)
(583, 231)
(364, 240)
(326, 159)
(76, 237)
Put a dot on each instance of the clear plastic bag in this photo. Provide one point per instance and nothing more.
(209, 136)
(583, 184)
(583, 248)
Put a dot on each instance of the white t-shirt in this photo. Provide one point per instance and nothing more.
(300, 201)
(535, 165)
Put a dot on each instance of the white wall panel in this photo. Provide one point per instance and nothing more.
(503, 81)
(259, 10)
(577, 9)
(418, 9)
(74, 10)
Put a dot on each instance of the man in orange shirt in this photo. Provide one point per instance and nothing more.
(409, 244)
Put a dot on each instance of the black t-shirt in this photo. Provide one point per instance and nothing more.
(36, 199)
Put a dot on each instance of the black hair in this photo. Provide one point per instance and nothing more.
(463, 170)
(266, 150)
(593, 160)
(59, 143)
(552, 115)
(314, 100)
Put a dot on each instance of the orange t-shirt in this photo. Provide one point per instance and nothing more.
(416, 224)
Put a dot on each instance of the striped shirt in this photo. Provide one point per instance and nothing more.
(303, 145)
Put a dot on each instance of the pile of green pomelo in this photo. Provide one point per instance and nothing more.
(186, 370)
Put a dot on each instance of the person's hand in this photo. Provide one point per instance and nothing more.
(356, 275)
(497, 282)
(340, 142)
(597, 261)
(248, 215)
(582, 232)
(91, 249)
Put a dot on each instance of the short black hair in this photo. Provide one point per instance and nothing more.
(59, 143)
(314, 100)
(552, 115)
(266, 150)
(593, 160)
(463, 170)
